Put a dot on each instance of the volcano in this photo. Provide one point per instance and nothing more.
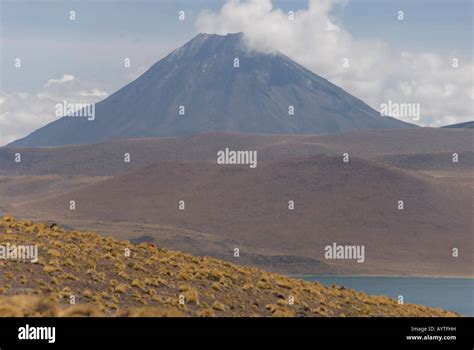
(215, 83)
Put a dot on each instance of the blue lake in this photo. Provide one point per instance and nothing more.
(454, 294)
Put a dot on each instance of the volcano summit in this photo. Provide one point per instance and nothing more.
(214, 83)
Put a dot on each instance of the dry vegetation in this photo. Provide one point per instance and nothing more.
(107, 277)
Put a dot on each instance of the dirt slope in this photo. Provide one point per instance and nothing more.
(107, 158)
(347, 203)
(150, 281)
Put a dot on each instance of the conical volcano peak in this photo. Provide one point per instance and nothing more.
(229, 37)
(216, 83)
(204, 44)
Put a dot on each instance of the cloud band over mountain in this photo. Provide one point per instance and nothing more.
(377, 73)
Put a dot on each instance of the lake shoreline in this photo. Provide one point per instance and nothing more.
(387, 276)
(452, 293)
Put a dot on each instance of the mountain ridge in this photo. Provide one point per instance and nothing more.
(464, 125)
(200, 80)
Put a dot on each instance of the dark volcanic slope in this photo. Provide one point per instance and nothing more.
(374, 143)
(465, 125)
(431, 161)
(352, 203)
(107, 158)
(201, 76)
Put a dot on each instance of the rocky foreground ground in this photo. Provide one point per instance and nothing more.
(84, 274)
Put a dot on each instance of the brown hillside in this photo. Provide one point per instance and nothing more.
(346, 203)
(156, 282)
(106, 158)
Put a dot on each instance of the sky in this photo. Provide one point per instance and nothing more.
(387, 59)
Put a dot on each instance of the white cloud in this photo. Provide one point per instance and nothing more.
(21, 113)
(93, 93)
(64, 79)
(376, 72)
